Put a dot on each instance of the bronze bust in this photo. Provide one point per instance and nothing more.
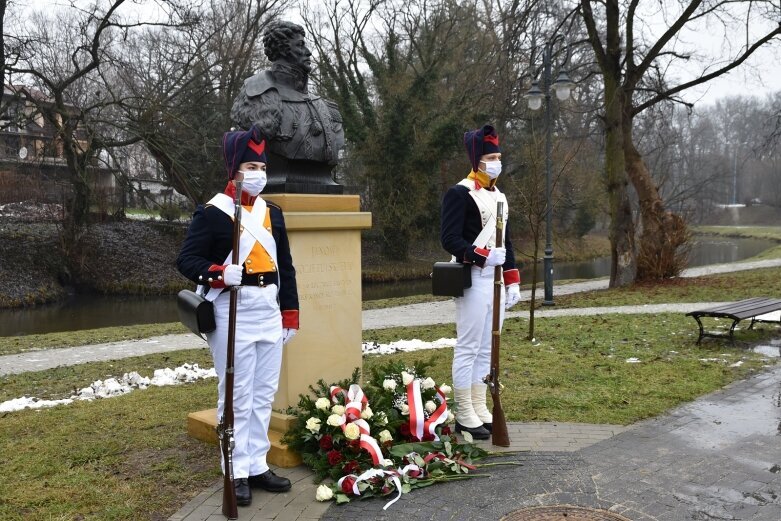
(304, 130)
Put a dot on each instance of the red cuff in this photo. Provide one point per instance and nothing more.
(290, 319)
(215, 279)
(482, 251)
(512, 277)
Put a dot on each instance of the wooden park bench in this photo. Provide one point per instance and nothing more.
(737, 311)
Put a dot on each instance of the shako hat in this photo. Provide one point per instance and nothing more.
(243, 146)
(480, 142)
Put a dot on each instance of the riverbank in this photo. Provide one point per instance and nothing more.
(132, 257)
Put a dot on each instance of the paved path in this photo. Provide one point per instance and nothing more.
(300, 505)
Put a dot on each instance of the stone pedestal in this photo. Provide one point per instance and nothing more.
(325, 242)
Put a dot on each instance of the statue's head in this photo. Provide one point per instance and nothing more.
(284, 41)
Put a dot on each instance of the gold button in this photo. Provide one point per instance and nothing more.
(273, 268)
(268, 228)
(249, 270)
(249, 261)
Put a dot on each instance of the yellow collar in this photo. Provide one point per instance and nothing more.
(482, 179)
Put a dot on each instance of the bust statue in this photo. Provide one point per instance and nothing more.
(304, 131)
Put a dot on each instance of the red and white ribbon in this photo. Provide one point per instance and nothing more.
(418, 424)
(356, 400)
(394, 475)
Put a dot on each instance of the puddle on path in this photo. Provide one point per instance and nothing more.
(771, 351)
(719, 424)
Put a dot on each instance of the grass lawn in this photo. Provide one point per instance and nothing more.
(723, 287)
(128, 458)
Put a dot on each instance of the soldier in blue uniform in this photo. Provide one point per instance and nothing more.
(267, 313)
(468, 233)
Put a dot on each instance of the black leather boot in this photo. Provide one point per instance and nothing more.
(489, 427)
(243, 492)
(270, 481)
(478, 433)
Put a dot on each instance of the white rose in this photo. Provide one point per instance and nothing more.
(450, 417)
(367, 413)
(406, 378)
(430, 406)
(338, 409)
(322, 403)
(382, 419)
(389, 384)
(445, 388)
(387, 463)
(313, 424)
(324, 493)
(334, 420)
(352, 432)
(428, 383)
(385, 436)
(405, 409)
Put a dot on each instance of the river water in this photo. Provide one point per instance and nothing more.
(94, 311)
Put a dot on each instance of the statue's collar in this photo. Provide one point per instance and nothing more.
(268, 80)
(290, 76)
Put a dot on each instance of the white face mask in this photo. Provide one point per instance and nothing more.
(493, 168)
(254, 181)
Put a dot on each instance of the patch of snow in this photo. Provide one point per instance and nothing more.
(111, 387)
(405, 346)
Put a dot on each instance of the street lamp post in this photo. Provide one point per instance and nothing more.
(562, 87)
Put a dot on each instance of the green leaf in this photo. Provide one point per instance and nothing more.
(449, 447)
(406, 488)
(342, 498)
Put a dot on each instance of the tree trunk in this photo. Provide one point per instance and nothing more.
(623, 263)
(662, 232)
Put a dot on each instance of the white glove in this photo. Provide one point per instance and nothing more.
(513, 296)
(496, 257)
(231, 275)
(287, 334)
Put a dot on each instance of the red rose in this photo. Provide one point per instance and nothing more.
(334, 457)
(351, 467)
(347, 484)
(446, 430)
(326, 442)
(404, 429)
(428, 437)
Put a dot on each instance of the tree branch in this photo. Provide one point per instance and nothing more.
(702, 79)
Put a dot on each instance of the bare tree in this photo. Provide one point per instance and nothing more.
(633, 64)
(60, 57)
(181, 83)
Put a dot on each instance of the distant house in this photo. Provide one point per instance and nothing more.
(32, 165)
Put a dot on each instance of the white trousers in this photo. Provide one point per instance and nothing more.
(257, 361)
(474, 317)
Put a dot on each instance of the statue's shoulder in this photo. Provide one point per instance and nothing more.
(259, 83)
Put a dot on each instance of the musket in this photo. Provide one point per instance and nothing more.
(225, 428)
(499, 435)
